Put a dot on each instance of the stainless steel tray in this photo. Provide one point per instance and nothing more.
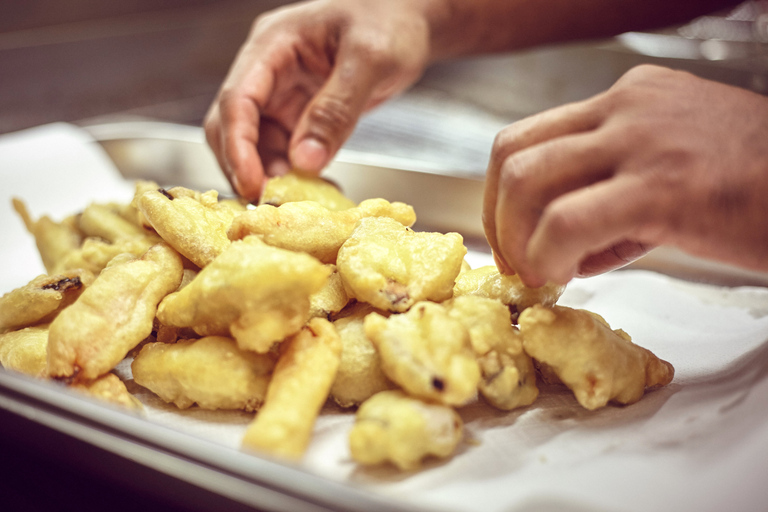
(152, 455)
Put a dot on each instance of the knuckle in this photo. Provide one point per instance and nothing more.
(330, 116)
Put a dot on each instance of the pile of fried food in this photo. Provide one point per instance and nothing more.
(275, 308)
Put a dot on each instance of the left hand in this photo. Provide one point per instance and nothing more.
(662, 157)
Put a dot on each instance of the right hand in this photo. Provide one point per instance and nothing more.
(303, 78)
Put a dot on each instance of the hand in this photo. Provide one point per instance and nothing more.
(303, 78)
(662, 157)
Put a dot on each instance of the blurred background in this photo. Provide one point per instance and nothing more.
(91, 61)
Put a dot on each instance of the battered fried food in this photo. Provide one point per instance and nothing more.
(254, 292)
(360, 375)
(508, 376)
(293, 187)
(427, 352)
(40, 300)
(598, 364)
(298, 389)
(307, 226)
(98, 220)
(392, 426)
(331, 298)
(55, 240)
(113, 315)
(25, 350)
(210, 372)
(393, 267)
(488, 282)
(111, 389)
(192, 223)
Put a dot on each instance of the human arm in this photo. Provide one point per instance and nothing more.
(661, 158)
(308, 71)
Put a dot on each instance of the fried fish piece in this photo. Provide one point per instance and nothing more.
(391, 426)
(392, 267)
(331, 298)
(427, 352)
(109, 388)
(307, 226)
(192, 223)
(299, 387)
(293, 187)
(40, 300)
(508, 376)
(360, 375)
(55, 240)
(488, 282)
(113, 315)
(256, 293)
(598, 364)
(210, 372)
(25, 350)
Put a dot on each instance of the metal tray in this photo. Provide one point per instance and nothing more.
(159, 459)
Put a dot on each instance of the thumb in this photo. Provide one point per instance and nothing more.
(330, 117)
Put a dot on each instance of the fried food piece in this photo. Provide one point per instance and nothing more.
(113, 315)
(331, 298)
(392, 426)
(211, 372)
(360, 375)
(427, 352)
(40, 300)
(393, 267)
(95, 253)
(98, 220)
(307, 226)
(294, 187)
(55, 240)
(192, 223)
(25, 350)
(508, 376)
(257, 293)
(111, 389)
(488, 282)
(598, 364)
(299, 387)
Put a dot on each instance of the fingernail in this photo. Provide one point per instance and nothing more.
(310, 155)
(235, 184)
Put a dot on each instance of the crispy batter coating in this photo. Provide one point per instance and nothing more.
(101, 221)
(394, 427)
(360, 375)
(257, 293)
(489, 282)
(393, 267)
(40, 300)
(211, 372)
(293, 187)
(427, 352)
(95, 254)
(55, 240)
(299, 387)
(508, 376)
(192, 223)
(111, 389)
(113, 315)
(25, 350)
(331, 298)
(307, 226)
(598, 364)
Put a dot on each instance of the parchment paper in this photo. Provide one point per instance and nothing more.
(701, 443)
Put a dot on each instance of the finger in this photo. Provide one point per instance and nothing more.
(273, 148)
(568, 119)
(332, 114)
(530, 179)
(616, 256)
(590, 220)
